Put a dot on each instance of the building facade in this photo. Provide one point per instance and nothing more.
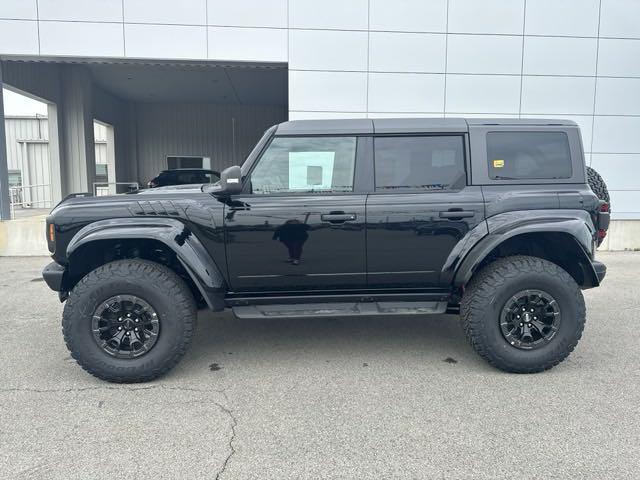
(574, 59)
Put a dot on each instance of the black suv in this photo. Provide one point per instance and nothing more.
(183, 176)
(494, 219)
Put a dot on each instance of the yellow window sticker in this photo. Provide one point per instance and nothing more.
(498, 163)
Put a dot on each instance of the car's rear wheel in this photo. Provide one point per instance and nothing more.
(129, 321)
(523, 314)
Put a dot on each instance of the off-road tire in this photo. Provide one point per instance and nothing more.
(165, 291)
(490, 289)
(597, 185)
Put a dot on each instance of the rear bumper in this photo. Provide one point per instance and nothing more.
(600, 269)
(53, 275)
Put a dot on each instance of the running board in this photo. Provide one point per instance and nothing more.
(348, 309)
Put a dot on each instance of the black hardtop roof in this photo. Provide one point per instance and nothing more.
(404, 125)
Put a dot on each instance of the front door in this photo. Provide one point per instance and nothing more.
(420, 210)
(301, 223)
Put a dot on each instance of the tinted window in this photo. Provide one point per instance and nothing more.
(306, 164)
(523, 155)
(423, 163)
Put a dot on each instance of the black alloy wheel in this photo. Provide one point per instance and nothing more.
(530, 319)
(125, 326)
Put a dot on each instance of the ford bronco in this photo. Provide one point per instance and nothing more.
(491, 219)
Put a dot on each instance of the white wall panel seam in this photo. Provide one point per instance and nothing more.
(524, 23)
(323, 28)
(595, 87)
(366, 107)
(38, 20)
(124, 36)
(446, 60)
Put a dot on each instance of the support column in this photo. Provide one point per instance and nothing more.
(79, 161)
(5, 209)
(111, 160)
(57, 174)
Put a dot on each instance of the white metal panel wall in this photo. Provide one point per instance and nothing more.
(19, 129)
(100, 137)
(28, 152)
(36, 172)
(199, 129)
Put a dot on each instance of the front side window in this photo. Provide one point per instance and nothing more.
(528, 155)
(306, 164)
(420, 163)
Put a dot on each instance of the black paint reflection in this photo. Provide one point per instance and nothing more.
(293, 234)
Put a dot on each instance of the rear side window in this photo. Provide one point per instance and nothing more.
(419, 163)
(528, 155)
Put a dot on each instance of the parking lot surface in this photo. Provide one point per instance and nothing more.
(376, 398)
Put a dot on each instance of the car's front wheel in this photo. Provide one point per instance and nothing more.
(523, 314)
(129, 321)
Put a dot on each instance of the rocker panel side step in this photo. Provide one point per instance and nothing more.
(344, 309)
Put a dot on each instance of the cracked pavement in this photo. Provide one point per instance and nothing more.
(399, 397)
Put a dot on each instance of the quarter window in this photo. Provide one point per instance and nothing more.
(306, 164)
(528, 155)
(419, 163)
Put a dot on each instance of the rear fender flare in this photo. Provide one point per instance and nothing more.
(575, 223)
(175, 235)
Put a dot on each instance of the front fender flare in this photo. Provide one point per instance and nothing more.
(575, 223)
(171, 232)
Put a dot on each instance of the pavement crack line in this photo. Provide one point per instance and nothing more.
(107, 387)
(225, 410)
(232, 450)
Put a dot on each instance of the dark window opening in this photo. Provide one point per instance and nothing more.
(419, 163)
(528, 155)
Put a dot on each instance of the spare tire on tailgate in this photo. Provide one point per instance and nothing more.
(600, 189)
(597, 185)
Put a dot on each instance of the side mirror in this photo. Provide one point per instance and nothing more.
(230, 181)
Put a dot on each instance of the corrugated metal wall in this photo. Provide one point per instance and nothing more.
(100, 137)
(225, 133)
(20, 129)
(28, 152)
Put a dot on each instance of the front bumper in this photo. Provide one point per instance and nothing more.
(600, 269)
(53, 275)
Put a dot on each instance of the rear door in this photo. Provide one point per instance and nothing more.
(420, 209)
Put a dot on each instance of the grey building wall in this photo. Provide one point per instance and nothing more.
(224, 133)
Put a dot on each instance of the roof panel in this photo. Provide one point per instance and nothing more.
(419, 125)
(520, 121)
(325, 127)
(361, 126)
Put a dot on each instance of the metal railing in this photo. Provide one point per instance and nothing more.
(23, 197)
(101, 189)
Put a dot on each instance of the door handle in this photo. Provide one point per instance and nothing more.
(338, 217)
(455, 214)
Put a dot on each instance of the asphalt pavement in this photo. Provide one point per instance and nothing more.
(374, 398)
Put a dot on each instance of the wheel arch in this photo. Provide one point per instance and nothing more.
(565, 239)
(167, 241)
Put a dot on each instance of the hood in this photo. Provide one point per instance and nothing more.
(191, 188)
